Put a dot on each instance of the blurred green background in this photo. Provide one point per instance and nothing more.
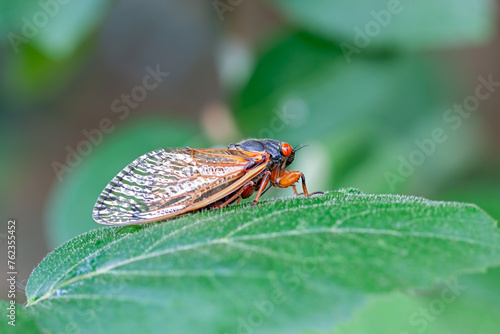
(87, 86)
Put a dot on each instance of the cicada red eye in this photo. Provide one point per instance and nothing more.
(286, 149)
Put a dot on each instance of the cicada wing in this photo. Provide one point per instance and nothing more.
(167, 182)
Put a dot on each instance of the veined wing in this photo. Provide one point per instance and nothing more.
(168, 182)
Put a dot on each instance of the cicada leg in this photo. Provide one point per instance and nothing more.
(288, 178)
(263, 184)
(245, 189)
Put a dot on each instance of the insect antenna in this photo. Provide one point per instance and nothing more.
(299, 147)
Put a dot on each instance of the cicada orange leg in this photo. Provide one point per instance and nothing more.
(283, 179)
(287, 178)
(263, 184)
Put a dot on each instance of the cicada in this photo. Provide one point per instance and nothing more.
(166, 183)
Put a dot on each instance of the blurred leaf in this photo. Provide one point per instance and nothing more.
(482, 192)
(69, 210)
(406, 25)
(386, 157)
(365, 115)
(303, 88)
(56, 29)
(471, 305)
(280, 266)
(31, 76)
(46, 43)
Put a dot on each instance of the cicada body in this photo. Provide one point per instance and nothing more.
(166, 183)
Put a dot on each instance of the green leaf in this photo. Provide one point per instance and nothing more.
(410, 25)
(55, 28)
(46, 43)
(469, 305)
(30, 76)
(70, 205)
(280, 266)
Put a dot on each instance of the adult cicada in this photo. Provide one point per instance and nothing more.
(170, 182)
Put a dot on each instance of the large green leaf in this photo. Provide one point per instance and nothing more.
(470, 304)
(70, 205)
(279, 267)
(406, 25)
